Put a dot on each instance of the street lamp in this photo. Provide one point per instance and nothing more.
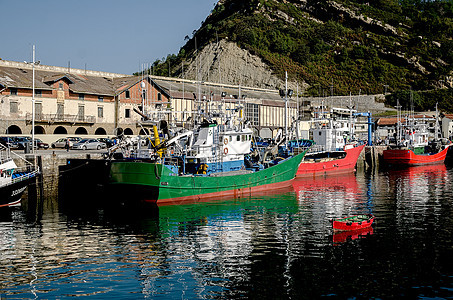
(33, 63)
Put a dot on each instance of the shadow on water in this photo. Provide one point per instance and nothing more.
(136, 216)
(83, 196)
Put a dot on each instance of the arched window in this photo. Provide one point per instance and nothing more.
(128, 131)
(100, 131)
(39, 130)
(81, 130)
(13, 129)
(144, 131)
(60, 130)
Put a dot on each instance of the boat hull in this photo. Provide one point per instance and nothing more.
(347, 224)
(337, 166)
(409, 158)
(11, 194)
(155, 183)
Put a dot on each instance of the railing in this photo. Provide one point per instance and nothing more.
(52, 118)
(27, 174)
(316, 149)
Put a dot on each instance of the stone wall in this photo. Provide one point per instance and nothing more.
(361, 103)
(50, 168)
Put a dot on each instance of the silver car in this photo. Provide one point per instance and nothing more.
(61, 143)
(86, 144)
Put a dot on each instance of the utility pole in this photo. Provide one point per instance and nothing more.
(33, 105)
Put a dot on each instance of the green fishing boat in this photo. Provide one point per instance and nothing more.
(215, 159)
(160, 183)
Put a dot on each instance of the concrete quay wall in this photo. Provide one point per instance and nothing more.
(371, 156)
(49, 164)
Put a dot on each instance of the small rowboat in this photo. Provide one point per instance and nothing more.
(353, 222)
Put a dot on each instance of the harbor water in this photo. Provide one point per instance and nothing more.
(275, 245)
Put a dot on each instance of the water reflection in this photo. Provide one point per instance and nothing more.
(275, 245)
(418, 192)
(344, 236)
(334, 194)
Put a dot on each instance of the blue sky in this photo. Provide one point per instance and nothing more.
(106, 35)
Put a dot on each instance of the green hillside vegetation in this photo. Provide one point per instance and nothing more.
(327, 44)
(423, 100)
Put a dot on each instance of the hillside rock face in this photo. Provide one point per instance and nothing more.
(226, 63)
(327, 47)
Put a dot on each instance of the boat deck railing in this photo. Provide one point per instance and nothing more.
(316, 149)
(21, 174)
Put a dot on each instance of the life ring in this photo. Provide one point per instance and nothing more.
(225, 141)
(225, 151)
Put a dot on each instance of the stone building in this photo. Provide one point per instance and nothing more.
(83, 102)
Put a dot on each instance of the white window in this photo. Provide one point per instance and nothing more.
(13, 107)
(100, 112)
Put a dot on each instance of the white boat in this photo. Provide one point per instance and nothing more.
(13, 180)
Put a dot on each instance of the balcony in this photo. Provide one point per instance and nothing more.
(61, 118)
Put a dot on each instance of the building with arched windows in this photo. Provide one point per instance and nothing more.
(83, 102)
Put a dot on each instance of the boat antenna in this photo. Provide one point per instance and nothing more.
(398, 122)
(437, 125)
(350, 116)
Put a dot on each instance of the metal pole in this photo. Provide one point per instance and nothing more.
(33, 105)
(286, 104)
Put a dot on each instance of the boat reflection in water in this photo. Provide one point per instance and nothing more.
(419, 171)
(413, 188)
(335, 195)
(344, 236)
(322, 198)
(421, 181)
(344, 182)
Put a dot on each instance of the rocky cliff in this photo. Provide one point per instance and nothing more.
(227, 63)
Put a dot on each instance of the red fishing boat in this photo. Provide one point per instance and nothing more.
(330, 162)
(335, 151)
(406, 156)
(353, 222)
(412, 146)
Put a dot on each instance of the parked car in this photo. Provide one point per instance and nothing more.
(61, 143)
(8, 142)
(108, 142)
(86, 144)
(40, 144)
(22, 142)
